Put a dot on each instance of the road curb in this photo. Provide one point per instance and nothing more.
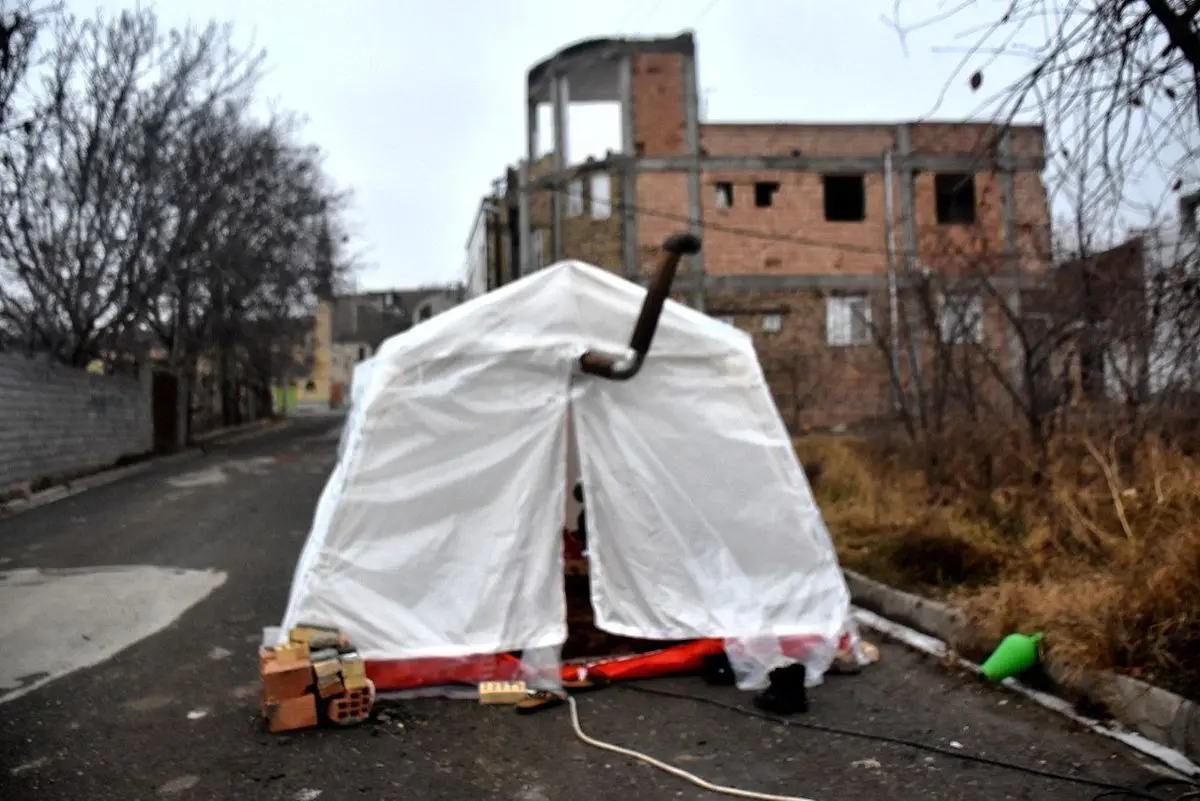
(95, 480)
(1159, 715)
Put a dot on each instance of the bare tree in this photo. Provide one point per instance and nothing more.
(1115, 82)
(84, 182)
(20, 23)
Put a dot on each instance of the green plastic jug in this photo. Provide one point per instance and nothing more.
(1015, 654)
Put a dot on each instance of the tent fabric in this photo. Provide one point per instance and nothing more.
(359, 382)
(439, 533)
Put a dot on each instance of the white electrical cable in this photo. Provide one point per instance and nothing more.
(674, 771)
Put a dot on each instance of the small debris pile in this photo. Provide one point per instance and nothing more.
(315, 677)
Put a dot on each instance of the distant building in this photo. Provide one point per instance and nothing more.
(349, 329)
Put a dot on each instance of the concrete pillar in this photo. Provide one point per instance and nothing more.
(1012, 271)
(629, 222)
(525, 227)
(691, 133)
(908, 213)
(559, 100)
(524, 221)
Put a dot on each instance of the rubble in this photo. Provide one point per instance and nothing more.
(315, 677)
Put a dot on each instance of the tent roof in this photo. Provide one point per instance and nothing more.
(570, 303)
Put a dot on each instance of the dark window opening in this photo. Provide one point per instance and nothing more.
(362, 353)
(639, 148)
(845, 198)
(723, 191)
(310, 386)
(764, 193)
(955, 198)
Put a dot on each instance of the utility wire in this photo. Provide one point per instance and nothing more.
(704, 12)
(1108, 789)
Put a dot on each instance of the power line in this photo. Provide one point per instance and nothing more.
(1109, 790)
(704, 12)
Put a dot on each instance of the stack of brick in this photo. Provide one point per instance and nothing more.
(317, 676)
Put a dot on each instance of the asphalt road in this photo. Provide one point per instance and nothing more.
(167, 707)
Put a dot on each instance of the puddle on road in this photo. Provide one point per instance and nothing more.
(31, 766)
(60, 621)
(220, 474)
(149, 703)
(179, 785)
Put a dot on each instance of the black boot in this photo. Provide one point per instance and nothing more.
(716, 670)
(786, 694)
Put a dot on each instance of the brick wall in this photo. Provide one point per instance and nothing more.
(58, 421)
(659, 130)
(591, 236)
(815, 385)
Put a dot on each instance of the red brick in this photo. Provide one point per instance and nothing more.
(282, 680)
(289, 714)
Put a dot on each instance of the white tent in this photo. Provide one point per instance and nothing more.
(359, 381)
(439, 532)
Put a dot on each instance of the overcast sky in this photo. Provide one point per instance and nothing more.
(419, 103)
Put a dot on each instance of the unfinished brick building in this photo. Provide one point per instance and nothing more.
(812, 232)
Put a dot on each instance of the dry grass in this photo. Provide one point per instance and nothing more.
(1101, 550)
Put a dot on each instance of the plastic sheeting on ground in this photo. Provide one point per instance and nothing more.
(439, 533)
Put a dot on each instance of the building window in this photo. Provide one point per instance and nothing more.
(848, 320)
(575, 199)
(764, 193)
(960, 319)
(601, 196)
(955, 198)
(310, 386)
(723, 194)
(362, 353)
(845, 198)
(424, 313)
(771, 323)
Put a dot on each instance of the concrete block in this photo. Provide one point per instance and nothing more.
(1157, 714)
(926, 616)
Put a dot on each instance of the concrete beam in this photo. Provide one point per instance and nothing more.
(828, 165)
(831, 283)
(839, 164)
(590, 55)
(576, 172)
